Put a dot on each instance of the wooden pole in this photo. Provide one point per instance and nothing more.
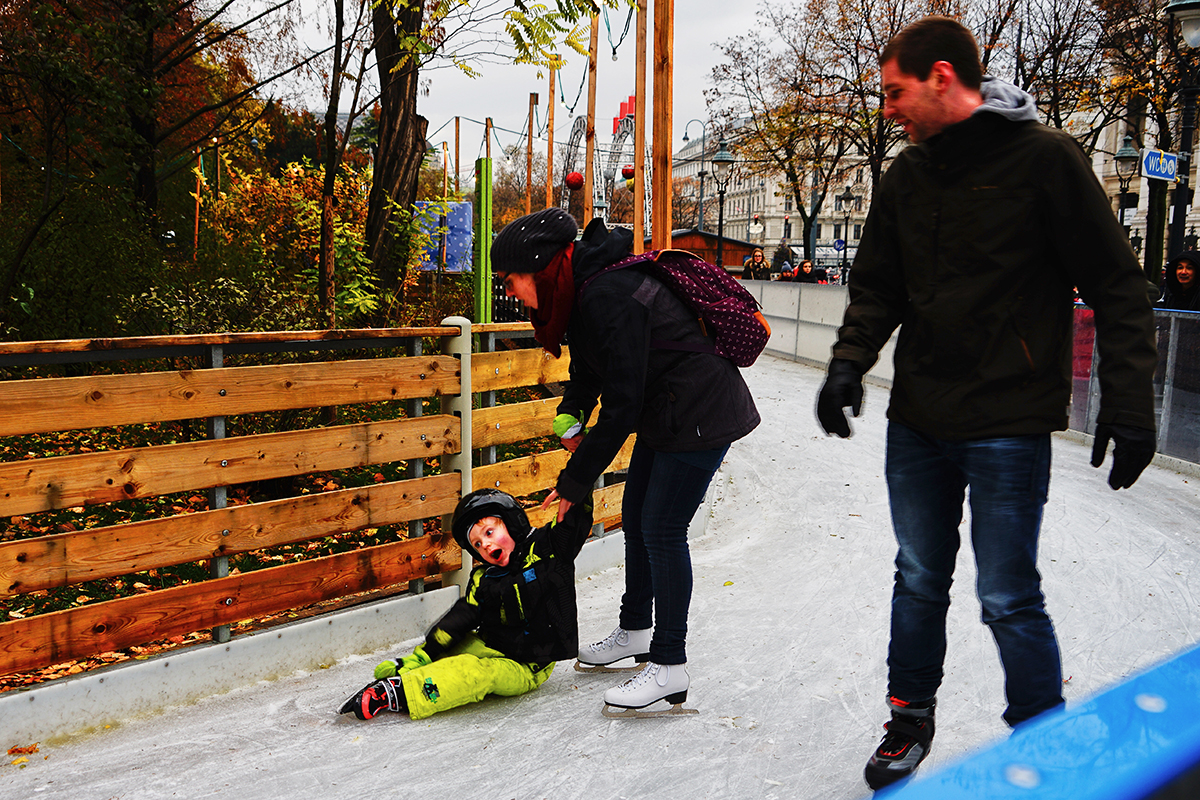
(639, 134)
(660, 147)
(533, 101)
(199, 179)
(550, 144)
(589, 136)
(457, 167)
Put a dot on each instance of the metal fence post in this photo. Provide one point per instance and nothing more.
(416, 466)
(459, 405)
(487, 344)
(1164, 419)
(218, 495)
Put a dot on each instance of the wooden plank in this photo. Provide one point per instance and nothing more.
(606, 507)
(49, 562)
(524, 476)
(521, 476)
(508, 368)
(75, 633)
(52, 483)
(514, 422)
(502, 327)
(93, 401)
(282, 337)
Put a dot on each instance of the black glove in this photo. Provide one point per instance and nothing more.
(843, 387)
(1133, 449)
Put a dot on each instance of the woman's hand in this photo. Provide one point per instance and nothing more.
(564, 505)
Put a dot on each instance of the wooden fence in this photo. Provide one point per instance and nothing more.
(394, 379)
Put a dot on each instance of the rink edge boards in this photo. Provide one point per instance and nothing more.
(136, 689)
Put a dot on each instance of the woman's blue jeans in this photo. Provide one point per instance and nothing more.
(662, 493)
(1009, 478)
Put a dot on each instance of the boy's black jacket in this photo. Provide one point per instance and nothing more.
(525, 610)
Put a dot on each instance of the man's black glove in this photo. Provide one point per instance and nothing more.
(1133, 449)
(843, 387)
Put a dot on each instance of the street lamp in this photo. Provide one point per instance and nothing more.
(722, 162)
(1125, 160)
(847, 197)
(701, 173)
(1188, 14)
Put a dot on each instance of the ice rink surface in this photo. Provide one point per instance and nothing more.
(787, 641)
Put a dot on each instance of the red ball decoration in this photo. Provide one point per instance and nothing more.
(627, 171)
(574, 181)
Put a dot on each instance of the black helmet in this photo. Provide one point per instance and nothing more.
(488, 503)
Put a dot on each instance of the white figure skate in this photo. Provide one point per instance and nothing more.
(617, 646)
(655, 682)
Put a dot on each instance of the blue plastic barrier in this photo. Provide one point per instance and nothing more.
(1138, 740)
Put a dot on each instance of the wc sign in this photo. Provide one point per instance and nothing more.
(1159, 165)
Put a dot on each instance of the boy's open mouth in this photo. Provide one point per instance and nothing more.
(497, 554)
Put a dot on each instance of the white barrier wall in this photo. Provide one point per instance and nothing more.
(804, 318)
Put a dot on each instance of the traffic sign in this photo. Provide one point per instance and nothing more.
(1159, 165)
(839, 245)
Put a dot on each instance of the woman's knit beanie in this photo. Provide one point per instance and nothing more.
(529, 243)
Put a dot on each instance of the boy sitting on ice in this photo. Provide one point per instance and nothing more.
(517, 617)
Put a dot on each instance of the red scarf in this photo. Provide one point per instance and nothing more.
(556, 296)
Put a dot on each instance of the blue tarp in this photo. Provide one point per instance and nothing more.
(451, 250)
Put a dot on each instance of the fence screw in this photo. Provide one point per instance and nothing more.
(228, 601)
(224, 463)
(222, 393)
(225, 532)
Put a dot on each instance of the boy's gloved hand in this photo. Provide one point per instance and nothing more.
(390, 669)
(569, 430)
(567, 427)
(843, 387)
(1133, 450)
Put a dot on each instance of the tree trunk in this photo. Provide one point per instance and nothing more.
(401, 135)
(142, 110)
(333, 154)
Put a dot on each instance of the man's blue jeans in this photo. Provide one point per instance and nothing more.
(662, 493)
(1009, 478)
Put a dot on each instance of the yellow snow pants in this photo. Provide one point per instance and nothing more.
(470, 673)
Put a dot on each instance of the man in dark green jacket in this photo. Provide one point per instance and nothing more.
(975, 238)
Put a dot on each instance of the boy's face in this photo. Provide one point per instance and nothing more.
(489, 536)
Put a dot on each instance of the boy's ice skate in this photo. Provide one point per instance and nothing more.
(375, 697)
(617, 646)
(655, 682)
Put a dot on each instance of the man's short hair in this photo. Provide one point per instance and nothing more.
(933, 39)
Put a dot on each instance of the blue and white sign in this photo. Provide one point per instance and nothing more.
(839, 245)
(1159, 165)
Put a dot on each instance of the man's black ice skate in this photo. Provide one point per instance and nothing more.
(904, 746)
(375, 697)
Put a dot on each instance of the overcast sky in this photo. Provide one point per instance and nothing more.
(502, 92)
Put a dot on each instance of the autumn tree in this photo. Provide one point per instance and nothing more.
(776, 96)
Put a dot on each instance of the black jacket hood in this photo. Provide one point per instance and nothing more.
(598, 247)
